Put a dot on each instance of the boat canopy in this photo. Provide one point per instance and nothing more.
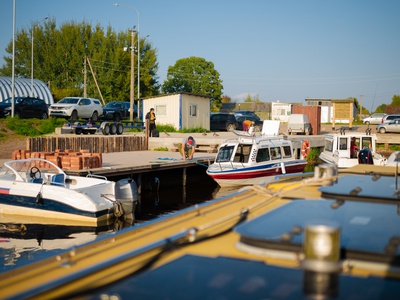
(22, 88)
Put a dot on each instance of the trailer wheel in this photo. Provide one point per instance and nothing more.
(120, 129)
(78, 131)
(106, 129)
(113, 129)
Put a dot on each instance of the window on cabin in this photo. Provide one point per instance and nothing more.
(224, 154)
(193, 110)
(242, 153)
(262, 155)
(328, 145)
(287, 152)
(160, 110)
(367, 143)
(343, 143)
(276, 153)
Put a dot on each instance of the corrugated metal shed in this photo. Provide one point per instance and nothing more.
(23, 88)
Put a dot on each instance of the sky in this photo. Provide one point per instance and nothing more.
(273, 50)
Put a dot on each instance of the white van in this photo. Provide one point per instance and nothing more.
(298, 123)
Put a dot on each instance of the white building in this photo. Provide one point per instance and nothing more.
(180, 110)
(280, 111)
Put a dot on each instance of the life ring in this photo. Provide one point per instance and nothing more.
(305, 148)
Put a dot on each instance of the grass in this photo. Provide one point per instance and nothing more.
(29, 127)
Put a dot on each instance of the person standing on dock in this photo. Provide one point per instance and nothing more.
(187, 148)
(151, 116)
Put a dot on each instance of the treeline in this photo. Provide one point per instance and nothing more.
(59, 53)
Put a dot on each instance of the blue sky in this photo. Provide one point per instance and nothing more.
(284, 50)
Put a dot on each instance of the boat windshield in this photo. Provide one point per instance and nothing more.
(225, 153)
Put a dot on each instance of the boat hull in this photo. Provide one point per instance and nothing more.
(242, 176)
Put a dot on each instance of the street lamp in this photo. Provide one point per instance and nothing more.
(138, 56)
(33, 27)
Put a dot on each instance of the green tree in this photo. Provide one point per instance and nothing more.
(394, 107)
(194, 75)
(59, 56)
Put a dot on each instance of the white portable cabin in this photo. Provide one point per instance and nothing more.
(181, 110)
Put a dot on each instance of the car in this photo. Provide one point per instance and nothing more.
(25, 107)
(77, 107)
(248, 113)
(117, 111)
(389, 118)
(375, 118)
(223, 121)
(258, 124)
(392, 126)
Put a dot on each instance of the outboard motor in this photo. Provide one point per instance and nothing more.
(126, 193)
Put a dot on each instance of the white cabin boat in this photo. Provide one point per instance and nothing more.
(338, 149)
(248, 160)
(37, 189)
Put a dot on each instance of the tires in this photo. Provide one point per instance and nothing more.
(120, 129)
(44, 116)
(78, 131)
(106, 129)
(74, 116)
(113, 129)
(95, 116)
(382, 130)
(230, 127)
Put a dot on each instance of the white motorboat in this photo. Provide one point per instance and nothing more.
(37, 189)
(248, 160)
(344, 149)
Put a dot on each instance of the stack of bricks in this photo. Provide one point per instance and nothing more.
(67, 159)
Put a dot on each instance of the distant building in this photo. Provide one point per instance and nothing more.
(22, 88)
(181, 110)
(335, 110)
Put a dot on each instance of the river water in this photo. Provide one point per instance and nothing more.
(22, 244)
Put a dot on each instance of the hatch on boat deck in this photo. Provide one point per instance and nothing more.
(369, 230)
(363, 187)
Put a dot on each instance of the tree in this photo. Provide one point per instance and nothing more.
(194, 75)
(394, 107)
(59, 55)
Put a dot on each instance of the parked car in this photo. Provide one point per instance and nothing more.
(247, 113)
(392, 126)
(118, 111)
(258, 124)
(76, 107)
(374, 118)
(223, 121)
(389, 118)
(25, 107)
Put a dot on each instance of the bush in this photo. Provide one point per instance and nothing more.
(32, 127)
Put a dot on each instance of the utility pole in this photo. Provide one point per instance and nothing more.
(132, 74)
(84, 78)
(361, 107)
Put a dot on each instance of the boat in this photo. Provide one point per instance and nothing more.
(250, 160)
(330, 234)
(42, 192)
(344, 148)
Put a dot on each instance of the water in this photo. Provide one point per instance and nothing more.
(21, 244)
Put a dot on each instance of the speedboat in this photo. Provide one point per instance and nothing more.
(344, 149)
(333, 234)
(249, 160)
(42, 192)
